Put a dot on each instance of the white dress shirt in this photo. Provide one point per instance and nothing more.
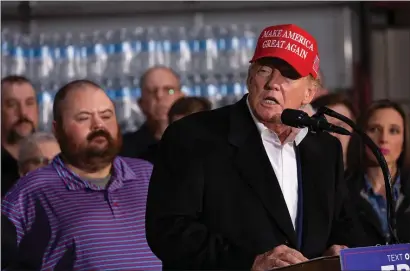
(283, 160)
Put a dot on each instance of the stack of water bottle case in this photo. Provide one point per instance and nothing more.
(212, 61)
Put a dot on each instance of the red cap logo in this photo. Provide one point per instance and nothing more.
(291, 44)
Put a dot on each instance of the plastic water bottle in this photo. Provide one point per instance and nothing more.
(18, 64)
(187, 86)
(97, 57)
(210, 52)
(108, 85)
(164, 47)
(45, 57)
(138, 44)
(177, 36)
(223, 87)
(212, 91)
(203, 86)
(135, 89)
(123, 102)
(67, 69)
(175, 50)
(137, 115)
(124, 51)
(227, 90)
(248, 45)
(239, 87)
(81, 56)
(197, 48)
(5, 52)
(234, 48)
(234, 90)
(149, 49)
(182, 53)
(197, 88)
(56, 54)
(111, 44)
(45, 96)
(29, 51)
(223, 43)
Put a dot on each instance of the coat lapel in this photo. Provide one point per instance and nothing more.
(368, 214)
(403, 202)
(254, 166)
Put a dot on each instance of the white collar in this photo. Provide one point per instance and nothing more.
(297, 135)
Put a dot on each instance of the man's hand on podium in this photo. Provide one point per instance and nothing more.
(334, 250)
(280, 256)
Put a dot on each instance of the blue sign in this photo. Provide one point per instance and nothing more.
(386, 258)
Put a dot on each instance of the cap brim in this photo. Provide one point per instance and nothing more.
(289, 58)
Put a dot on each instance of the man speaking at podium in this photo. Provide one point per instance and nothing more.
(233, 188)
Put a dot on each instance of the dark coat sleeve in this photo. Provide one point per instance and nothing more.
(29, 253)
(346, 227)
(174, 229)
(8, 242)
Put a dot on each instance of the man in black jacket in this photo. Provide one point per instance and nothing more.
(181, 108)
(160, 88)
(233, 188)
(19, 118)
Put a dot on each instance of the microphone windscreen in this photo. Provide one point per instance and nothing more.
(294, 118)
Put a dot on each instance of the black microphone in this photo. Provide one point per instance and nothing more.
(300, 119)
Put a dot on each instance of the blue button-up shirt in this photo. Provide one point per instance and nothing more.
(379, 204)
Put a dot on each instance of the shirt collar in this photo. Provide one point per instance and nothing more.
(395, 188)
(121, 172)
(296, 135)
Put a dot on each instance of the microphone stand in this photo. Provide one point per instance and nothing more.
(391, 204)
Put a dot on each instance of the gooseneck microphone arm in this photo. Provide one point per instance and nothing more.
(391, 204)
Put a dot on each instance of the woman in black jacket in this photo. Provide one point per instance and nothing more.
(386, 123)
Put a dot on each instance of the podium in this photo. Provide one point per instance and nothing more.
(386, 257)
(317, 264)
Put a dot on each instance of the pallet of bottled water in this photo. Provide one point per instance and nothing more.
(212, 61)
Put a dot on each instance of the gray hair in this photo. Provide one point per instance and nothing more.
(29, 145)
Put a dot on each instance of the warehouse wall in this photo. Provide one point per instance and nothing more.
(332, 26)
(391, 65)
(14, 26)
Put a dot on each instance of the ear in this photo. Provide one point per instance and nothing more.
(248, 81)
(251, 73)
(310, 91)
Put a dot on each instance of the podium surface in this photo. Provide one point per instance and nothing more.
(386, 258)
(317, 264)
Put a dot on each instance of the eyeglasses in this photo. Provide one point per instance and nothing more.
(167, 91)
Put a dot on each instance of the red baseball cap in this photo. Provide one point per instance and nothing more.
(291, 44)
